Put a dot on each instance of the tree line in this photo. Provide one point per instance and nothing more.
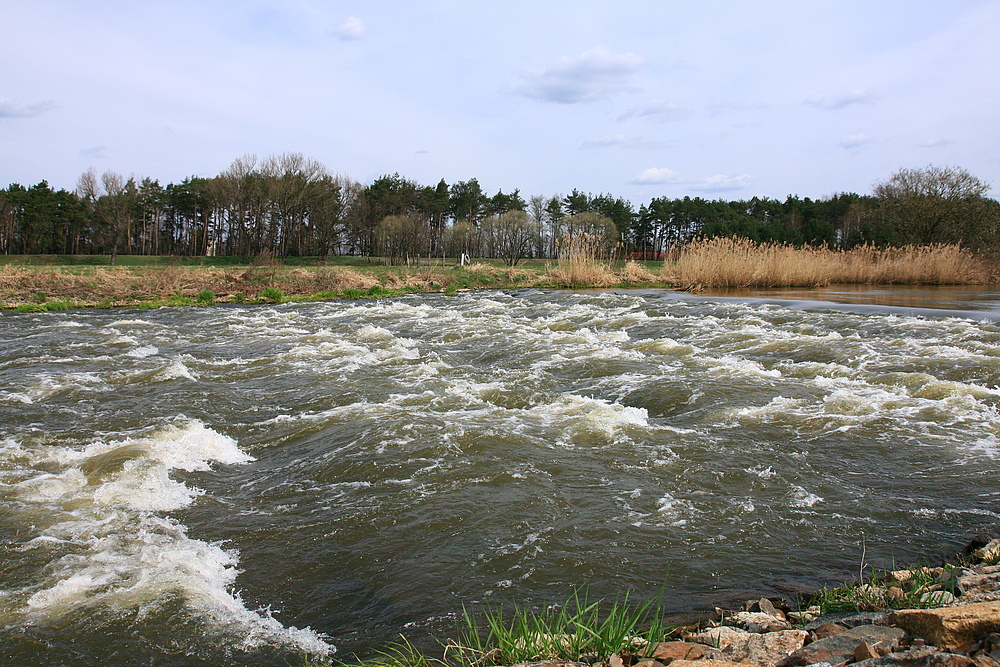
(290, 205)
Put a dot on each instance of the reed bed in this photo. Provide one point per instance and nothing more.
(728, 262)
(583, 261)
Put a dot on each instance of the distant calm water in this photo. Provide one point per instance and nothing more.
(244, 485)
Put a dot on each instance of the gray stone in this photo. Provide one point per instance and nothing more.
(913, 657)
(756, 621)
(720, 637)
(850, 619)
(937, 598)
(770, 648)
(840, 648)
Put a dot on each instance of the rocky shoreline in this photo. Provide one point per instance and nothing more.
(957, 624)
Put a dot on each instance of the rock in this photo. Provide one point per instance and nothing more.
(720, 637)
(756, 621)
(828, 630)
(850, 619)
(978, 582)
(864, 651)
(989, 553)
(767, 607)
(840, 648)
(669, 651)
(705, 663)
(647, 662)
(954, 628)
(895, 594)
(937, 598)
(766, 649)
(925, 656)
(551, 663)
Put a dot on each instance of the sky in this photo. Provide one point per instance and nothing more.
(633, 98)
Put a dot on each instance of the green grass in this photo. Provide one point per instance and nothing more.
(577, 630)
(880, 591)
(272, 294)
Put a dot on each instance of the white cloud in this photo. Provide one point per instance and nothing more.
(854, 141)
(595, 75)
(722, 183)
(659, 111)
(722, 108)
(842, 100)
(717, 183)
(624, 141)
(657, 176)
(936, 143)
(10, 110)
(94, 152)
(350, 30)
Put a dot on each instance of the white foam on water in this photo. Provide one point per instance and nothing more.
(591, 415)
(673, 509)
(176, 370)
(665, 346)
(99, 520)
(15, 397)
(47, 386)
(130, 323)
(143, 352)
(802, 498)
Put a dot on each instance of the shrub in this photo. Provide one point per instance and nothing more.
(206, 297)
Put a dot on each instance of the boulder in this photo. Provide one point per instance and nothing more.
(922, 656)
(706, 663)
(840, 648)
(720, 637)
(828, 630)
(937, 598)
(670, 651)
(989, 553)
(756, 621)
(953, 628)
(850, 619)
(771, 648)
(980, 584)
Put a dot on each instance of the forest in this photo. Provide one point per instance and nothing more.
(290, 205)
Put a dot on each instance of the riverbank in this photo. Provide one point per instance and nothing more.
(38, 284)
(41, 287)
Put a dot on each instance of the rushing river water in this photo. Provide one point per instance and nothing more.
(245, 485)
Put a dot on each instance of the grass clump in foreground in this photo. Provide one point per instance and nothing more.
(578, 630)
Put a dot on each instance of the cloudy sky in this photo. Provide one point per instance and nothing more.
(637, 98)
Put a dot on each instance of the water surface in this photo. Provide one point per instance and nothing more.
(235, 485)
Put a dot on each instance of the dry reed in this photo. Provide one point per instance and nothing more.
(727, 262)
(633, 272)
(583, 261)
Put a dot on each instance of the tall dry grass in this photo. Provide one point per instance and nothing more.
(727, 262)
(583, 260)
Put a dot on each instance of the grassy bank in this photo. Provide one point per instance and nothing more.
(41, 283)
(38, 284)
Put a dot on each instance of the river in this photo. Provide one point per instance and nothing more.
(250, 484)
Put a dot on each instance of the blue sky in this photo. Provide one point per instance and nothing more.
(639, 99)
